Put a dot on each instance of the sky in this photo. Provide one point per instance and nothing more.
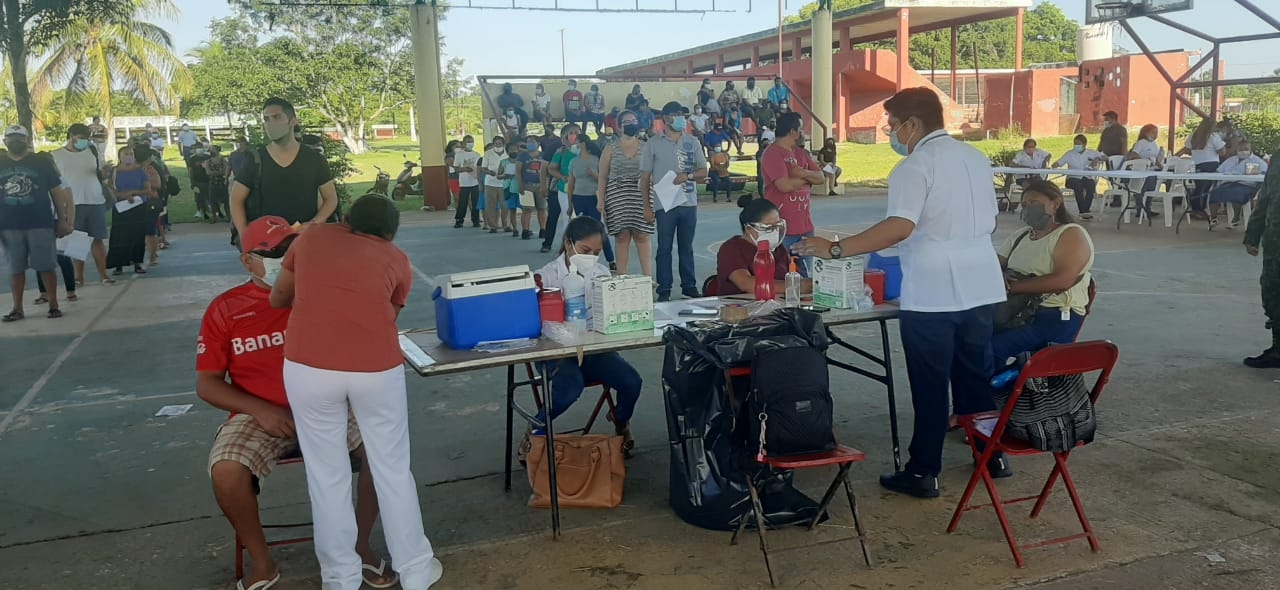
(527, 43)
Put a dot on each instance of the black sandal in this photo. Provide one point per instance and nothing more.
(12, 316)
(55, 313)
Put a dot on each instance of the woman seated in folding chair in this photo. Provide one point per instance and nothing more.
(583, 241)
(1050, 261)
(1147, 149)
(1237, 193)
(735, 261)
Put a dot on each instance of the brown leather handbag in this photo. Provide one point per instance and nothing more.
(589, 471)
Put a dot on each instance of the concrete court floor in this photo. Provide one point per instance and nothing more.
(96, 492)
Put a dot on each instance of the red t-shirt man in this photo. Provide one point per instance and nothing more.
(737, 253)
(777, 162)
(242, 335)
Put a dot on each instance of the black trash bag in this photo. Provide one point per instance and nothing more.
(710, 462)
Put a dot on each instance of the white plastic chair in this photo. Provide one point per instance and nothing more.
(1129, 189)
(1177, 189)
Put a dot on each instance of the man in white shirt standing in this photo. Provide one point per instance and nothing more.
(465, 161)
(942, 210)
(188, 140)
(81, 168)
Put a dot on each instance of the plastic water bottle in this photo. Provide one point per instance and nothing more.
(763, 266)
(1005, 378)
(793, 282)
(575, 300)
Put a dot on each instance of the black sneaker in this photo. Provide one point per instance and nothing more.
(919, 486)
(545, 249)
(691, 293)
(475, 224)
(542, 234)
(526, 235)
(457, 225)
(663, 297)
(1269, 359)
(998, 467)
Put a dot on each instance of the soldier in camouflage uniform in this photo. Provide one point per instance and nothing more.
(1264, 232)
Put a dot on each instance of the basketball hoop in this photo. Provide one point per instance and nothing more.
(1113, 9)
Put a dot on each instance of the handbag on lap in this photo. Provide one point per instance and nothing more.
(590, 471)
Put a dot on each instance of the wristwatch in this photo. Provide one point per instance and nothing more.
(836, 251)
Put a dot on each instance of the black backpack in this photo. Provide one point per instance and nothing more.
(790, 401)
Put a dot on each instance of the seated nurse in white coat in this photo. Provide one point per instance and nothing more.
(583, 242)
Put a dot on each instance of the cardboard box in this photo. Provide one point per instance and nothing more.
(838, 283)
(621, 304)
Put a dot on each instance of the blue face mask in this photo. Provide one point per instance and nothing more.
(82, 144)
(1079, 149)
(897, 146)
(678, 122)
(531, 146)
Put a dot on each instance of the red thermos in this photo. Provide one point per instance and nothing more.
(764, 267)
(550, 302)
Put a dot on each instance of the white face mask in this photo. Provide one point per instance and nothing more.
(1244, 155)
(774, 237)
(583, 262)
(271, 268)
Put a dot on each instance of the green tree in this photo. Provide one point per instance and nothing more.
(94, 54)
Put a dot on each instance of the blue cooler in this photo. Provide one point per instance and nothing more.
(887, 261)
(485, 305)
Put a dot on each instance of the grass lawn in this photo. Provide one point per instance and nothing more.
(863, 166)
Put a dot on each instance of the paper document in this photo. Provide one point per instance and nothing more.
(177, 410)
(123, 206)
(986, 425)
(668, 192)
(75, 245)
(829, 169)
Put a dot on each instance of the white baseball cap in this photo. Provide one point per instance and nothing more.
(15, 130)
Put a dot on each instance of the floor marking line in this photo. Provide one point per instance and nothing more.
(36, 387)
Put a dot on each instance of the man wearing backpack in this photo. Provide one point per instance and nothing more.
(282, 178)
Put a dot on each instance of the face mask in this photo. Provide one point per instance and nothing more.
(510, 113)
(1108, 124)
(1079, 149)
(497, 149)
(719, 149)
(128, 160)
(278, 131)
(631, 129)
(1035, 215)
(897, 145)
(1244, 155)
(469, 145)
(583, 262)
(457, 149)
(774, 237)
(16, 146)
(270, 270)
(677, 123)
(531, 146)
(573, 87)
(577, 150)
(82, 144)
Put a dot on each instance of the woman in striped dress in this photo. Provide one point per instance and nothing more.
(627, 213)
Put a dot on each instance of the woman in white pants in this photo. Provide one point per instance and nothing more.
(347, 283)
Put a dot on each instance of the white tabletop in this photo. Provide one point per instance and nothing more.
(447, 360)
(1161, 174)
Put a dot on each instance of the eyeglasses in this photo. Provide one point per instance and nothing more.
(762, 227)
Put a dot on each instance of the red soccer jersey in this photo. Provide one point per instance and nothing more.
(243, 335)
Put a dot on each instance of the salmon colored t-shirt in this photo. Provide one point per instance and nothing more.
(347, 289)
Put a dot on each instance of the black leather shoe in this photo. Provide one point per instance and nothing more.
(1269, 359)
(690, 293)
(920, 486)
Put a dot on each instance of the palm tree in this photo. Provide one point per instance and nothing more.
(96, 54)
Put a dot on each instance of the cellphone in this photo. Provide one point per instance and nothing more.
(817, 308)
(699, 312)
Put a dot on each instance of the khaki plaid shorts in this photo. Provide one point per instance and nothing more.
(241, 440)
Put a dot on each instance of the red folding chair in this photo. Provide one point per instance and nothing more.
(606, 399)
(841, 457)
(1054, 361)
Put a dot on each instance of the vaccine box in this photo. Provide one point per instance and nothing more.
(484, 305)
(621, 304)
(838, 283)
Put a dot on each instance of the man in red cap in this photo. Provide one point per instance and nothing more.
(242, 337)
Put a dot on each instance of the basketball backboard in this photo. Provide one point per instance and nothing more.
(1100, 11)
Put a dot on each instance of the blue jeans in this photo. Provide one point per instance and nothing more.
(1046, 328)
(676, 226)
(568, 380)
(805, 261)
(1234, 193)
(586, 205)
(945, 352)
